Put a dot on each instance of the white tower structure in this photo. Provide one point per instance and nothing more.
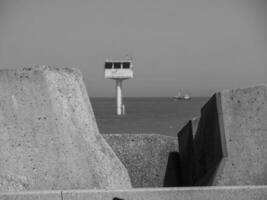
(119, 70)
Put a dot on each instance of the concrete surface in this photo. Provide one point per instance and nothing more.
(201, 193)
(49, 138)
(244, 118)
(184, 193)
(32, 195)
(145, 156)
(200, 146)
(209, 144)
(229, 146)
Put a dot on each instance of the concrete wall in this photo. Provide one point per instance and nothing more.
(229, 146)
(150, 159)
(244, 119)
(201, 147)
(195, 193)
(48, 134)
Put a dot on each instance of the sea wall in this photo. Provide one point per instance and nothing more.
(229, 145)
(50, 146)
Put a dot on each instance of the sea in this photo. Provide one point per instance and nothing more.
(164, 116)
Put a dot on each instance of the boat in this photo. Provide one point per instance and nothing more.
(179, 96)
(187, 97)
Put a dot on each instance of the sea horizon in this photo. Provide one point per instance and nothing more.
(159, 115)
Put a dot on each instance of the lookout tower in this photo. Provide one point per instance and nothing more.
(119, 70)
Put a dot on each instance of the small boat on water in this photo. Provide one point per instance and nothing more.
(179, 96)
(187, 97)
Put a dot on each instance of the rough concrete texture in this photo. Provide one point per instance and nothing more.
(184, 193)
(244, 119)
(229, 146)
(32, 195)
(144, 155)
(48, 134)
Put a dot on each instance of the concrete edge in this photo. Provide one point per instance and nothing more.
(32, 192)
(187, 193)
(223, 138)
(199, 193)
(198, 188)
(221, 124)
(70, 70)
(205, 188)
(140, 134)
(242, 88)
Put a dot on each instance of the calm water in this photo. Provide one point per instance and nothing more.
(146, 115)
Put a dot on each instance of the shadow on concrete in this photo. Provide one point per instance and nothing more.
(201, 147)
(172, 175)
(185, 138)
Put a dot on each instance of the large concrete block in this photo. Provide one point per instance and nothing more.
(147, 157)
(229, 146)
(244, 118)
(49, 138)
(209, 143)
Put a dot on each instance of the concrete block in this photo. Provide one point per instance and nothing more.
(185, 193)
(49, 138)
(244, 117)
(144, 155)
(209, 144)
(33, 195)
(230, 144)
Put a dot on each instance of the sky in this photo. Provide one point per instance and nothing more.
(196, 46)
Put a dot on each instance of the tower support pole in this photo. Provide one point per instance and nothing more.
(119, 96)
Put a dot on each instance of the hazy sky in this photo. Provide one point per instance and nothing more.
(200, 46)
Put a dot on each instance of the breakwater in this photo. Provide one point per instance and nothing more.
(51, 147)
